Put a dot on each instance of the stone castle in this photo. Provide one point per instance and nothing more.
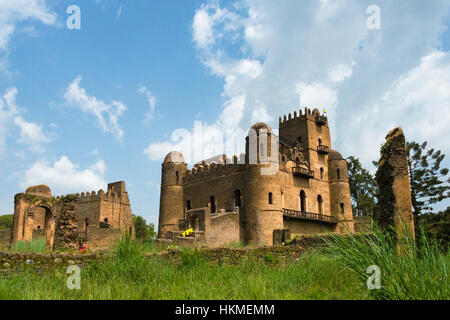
(93, 218)
(245, 200)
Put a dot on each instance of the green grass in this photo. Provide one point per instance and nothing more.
(420, 273)
(128, 274)
(35, 246)
(337, 272)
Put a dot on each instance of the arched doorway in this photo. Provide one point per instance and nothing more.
(303, 207)
(40, 222)
(237, 198)
(320, 204)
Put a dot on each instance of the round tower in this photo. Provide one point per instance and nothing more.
(262, 205)
(171, 208)
(340, 199)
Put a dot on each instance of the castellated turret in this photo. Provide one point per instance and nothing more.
(340, 199)
(263, 209)
(171, 201)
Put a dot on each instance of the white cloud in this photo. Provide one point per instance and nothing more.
(339, 73)
(202, 26)
(14, 12)
(30, 133)
(281, 56)
(107, 114)
(64, 176)
(418, 100)
(151, 102)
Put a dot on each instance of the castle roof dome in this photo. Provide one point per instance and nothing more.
(41, 190)
(261, 125)
(334, 155)
(175, 157)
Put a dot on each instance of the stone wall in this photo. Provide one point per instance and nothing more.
(102, 238)
(10, 261)
(394, 197)
(300, 228)
(224, 229)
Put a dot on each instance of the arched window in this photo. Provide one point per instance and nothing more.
(188, 205)
(213, 204)
(341, 206)
(237, 198)
(321, 173)
(302, 201)
(39, 227)
(270, 198)
(283, 158)
(320, 142)
(105, 220)
(178, 176)
(320, 204)
(299, 139)
(338, 171)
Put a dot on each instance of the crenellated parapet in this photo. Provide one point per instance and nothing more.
(208, 171)
(90, 196)
(306, 114)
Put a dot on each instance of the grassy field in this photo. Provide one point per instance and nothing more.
(336, 272)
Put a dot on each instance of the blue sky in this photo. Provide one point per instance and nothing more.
(80, 108)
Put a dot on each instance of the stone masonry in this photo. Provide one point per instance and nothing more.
(394, 200)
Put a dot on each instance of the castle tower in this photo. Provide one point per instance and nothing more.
(262, 205)
(311, 132)
(118, 212)
(171, 208)
(340, 201)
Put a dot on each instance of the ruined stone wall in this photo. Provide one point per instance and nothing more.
(67, 234)
(393, 183)
(223, 229)
(101, 238)
(42, 215)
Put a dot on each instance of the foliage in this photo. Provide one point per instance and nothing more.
(6, 221)
(363, 187)
(142, 230)
(428, 185)
(437, 225)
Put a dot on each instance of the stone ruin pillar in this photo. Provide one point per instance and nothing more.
(394, 199)
(67, 235)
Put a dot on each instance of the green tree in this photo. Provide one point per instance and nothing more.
(363, 187)
(6, 221)
(428, 184)
(437, 225)
(142, 230)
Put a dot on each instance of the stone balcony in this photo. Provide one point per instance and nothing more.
(309, 216)
(303, 172)
(323, 149)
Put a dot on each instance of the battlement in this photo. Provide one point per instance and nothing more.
(205, 170)
(307, 114)
(94, 196)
